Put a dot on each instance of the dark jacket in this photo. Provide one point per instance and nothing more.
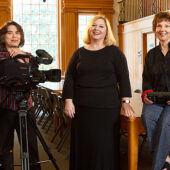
(156, 75)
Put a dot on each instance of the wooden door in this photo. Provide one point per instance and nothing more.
(133, 39)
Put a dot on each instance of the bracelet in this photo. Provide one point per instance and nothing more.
(126, 101)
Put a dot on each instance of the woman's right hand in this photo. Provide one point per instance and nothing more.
(146, 100)
(69, 108)
(15, 51)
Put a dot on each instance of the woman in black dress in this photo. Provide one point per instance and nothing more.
(95, 87)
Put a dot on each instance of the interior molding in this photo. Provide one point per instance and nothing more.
(88, 10)
(6, 3)
(88, 4)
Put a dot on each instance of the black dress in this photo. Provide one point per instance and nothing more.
(96, 81)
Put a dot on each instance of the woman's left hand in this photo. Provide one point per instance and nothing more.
(128, 110)
(168, 102)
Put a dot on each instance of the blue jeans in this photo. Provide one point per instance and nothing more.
(156, 121)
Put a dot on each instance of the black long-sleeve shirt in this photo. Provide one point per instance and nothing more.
(92, 77)
(156, 74)
(7, 101)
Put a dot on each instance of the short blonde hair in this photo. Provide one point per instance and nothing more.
(109, 39)
(160, 17)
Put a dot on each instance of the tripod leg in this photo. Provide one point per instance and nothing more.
(46, 149)
(24, 140)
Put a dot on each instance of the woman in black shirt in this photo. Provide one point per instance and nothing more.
(95, 87)
(156, 77)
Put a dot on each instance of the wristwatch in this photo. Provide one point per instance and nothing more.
(126, 101)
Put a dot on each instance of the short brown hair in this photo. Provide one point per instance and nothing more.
(160, 17)
(4, 30)
(109, 39)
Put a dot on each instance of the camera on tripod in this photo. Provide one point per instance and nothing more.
(20, 77)
(159, 97)
(25, 76)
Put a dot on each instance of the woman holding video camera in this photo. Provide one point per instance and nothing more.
(156, 77)
(11, 38)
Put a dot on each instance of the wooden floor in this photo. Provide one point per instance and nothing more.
(144, 162)
(59, 156)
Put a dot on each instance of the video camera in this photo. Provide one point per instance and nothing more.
(25, 76)
(159, 97)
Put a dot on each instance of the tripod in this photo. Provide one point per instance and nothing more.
(23, 115)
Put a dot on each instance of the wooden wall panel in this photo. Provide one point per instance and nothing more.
(5, 11)
(69, 43)
(88, 3)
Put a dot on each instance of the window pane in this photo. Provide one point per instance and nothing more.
(26, 19)
(26, 9)
(35, 19)
(51, 1)
(17, 9)
(52, 50)
(35, 39)
(17, 1)
(43, 9)
(45, 47)
(28, 38)
(52, 29)
(27, 48)
(35, 9)
(43, 39)
(43, 19)
(18, 19)
(27, 29)
(34, 48)
(51, 9)
(35, 1)
(26, 1)
(35, 29)
(52, 39)
(51, 19)
(44, 29)
(83, 20)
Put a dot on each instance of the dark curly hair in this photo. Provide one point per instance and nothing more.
(160, 17)
(4, 30)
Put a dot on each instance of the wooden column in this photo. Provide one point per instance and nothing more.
(121, 36)
(5, 11)
(69, 37)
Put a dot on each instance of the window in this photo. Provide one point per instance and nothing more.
(83, 21)
(39, 20)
